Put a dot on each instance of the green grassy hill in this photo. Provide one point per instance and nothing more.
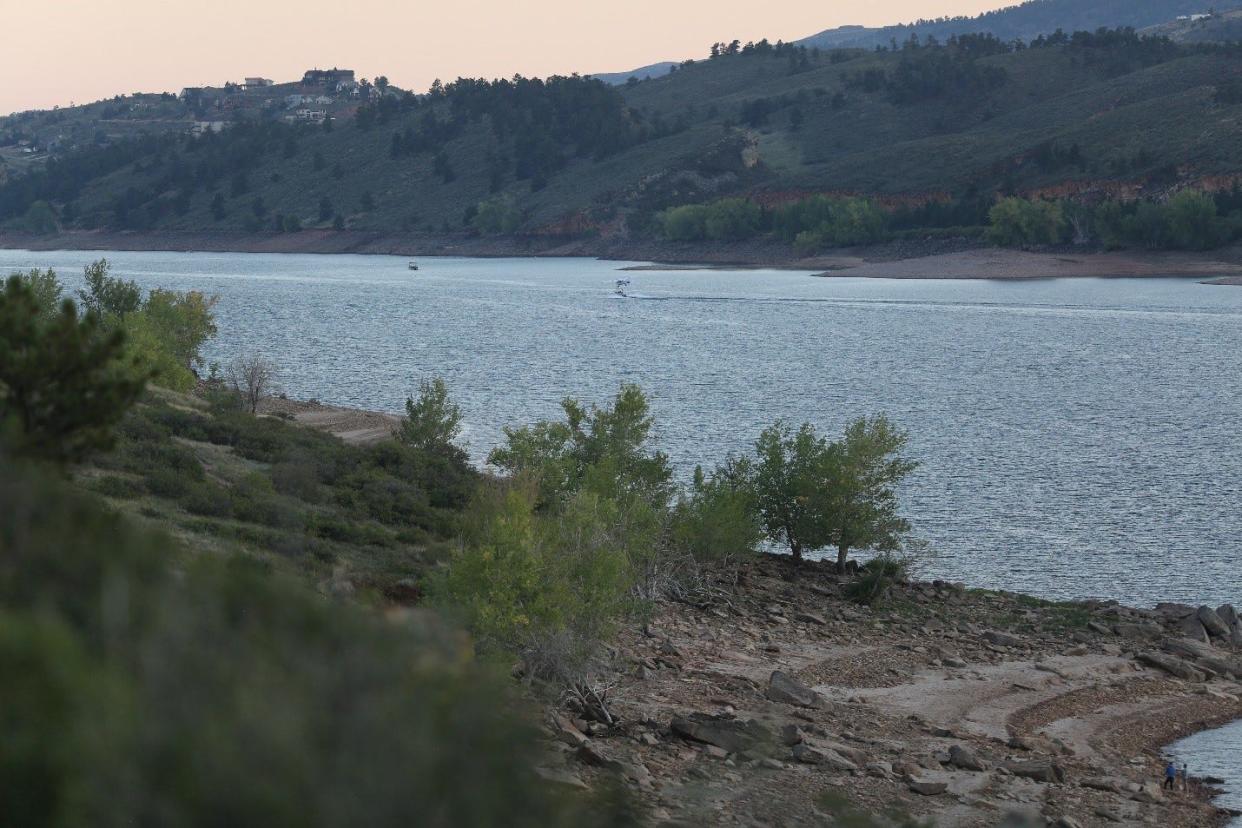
(1105, 113)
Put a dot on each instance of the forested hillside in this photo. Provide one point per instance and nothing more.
(1025, 21)
(958, 122)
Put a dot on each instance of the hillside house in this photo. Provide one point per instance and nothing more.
(294, 101)
(307, 116)
(258, 83)
(327, 78)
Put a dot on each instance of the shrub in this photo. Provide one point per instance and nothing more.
(208, 500)
(121, 488)
(876, 577)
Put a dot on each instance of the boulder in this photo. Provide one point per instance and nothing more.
(567, 731)
(1038, 770)
(928, 788)
(1226, 613)
(1141, 631)
(1067, 822)
(1102, 783)
(1191, 627)
(1097, 627)
(591, 755)
(733, 735)
(1212, 622)
(790, 735)
(1172, 610)
(1171, 665)
(786, 689)
(811, 755)
(963, 757)
(1002, 639)
(1205, 656)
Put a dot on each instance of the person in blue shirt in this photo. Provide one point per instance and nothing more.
(1170, 775)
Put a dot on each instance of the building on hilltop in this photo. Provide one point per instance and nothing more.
(328, 78)
(258, 83)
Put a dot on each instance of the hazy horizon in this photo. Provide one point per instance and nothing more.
(78, 51)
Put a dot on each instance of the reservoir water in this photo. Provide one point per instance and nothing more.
(1077, 437)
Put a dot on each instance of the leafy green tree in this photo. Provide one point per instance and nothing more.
(107, 296)
(717, 522)
(218, 209)
(433, 421)
(497, 215)
(1193, 221)
(46, 289)
(791, 472)
(1017, 222)
(64, 381)
(167, 334)
(862, 507)
(603, 450)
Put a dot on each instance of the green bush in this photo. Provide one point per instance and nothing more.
(168, 483)
(122, 488)
(208, 500)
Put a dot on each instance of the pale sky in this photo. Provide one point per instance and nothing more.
(57, 52)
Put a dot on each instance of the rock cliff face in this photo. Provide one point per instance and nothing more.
(784, 703)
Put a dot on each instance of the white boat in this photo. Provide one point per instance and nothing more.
(622, 284)
(413, 265)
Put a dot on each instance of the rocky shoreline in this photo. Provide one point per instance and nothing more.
(780, 701)
(929, 259)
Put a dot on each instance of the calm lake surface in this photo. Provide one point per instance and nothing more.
(1078, 437)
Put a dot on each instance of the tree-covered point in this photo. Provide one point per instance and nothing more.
(1188, 220)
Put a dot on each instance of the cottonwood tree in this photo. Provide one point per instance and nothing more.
(791, 471)
(812, 493)
(861, 505)
(252, 378)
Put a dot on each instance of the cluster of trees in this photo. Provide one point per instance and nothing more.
(587, 526)
(540, 124)
(158, 334)
(1190, 220)
(811, 223)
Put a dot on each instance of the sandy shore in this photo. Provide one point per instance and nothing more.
(950, 259)
(957, 706)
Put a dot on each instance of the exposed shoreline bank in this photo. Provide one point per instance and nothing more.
(952, 259)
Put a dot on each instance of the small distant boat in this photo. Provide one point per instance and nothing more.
(413, 265)
(622, 284)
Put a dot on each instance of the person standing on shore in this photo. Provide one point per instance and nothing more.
(1185, 778)
(1170, 775)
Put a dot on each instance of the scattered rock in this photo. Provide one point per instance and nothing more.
(1141, 631)
(1067, 822)
(928, 788)
(963, 757)
(733, 735)
(1037, 770)
(1171, 665)
(1191, 627)
(1002, 639)
(784, 688)
(567, 731)
(591, 755)
(1212, 622)
(810, 618)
